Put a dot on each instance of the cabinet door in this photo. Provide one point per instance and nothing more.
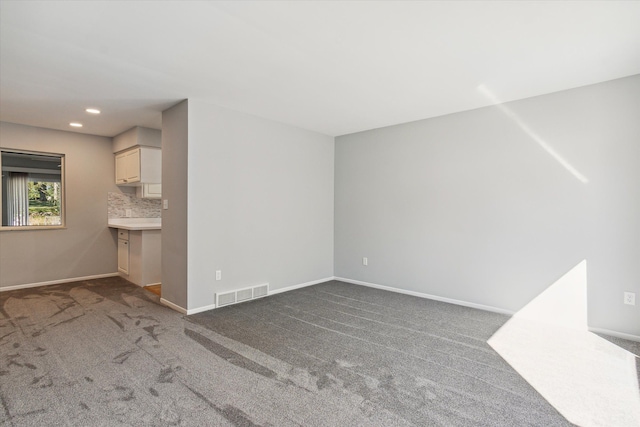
(123, 256)
(128, 167)
(121, 169)
(133, 165)
(154, 191)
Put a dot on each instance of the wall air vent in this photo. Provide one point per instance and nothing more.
(261, 291)
(240, 295)
(244, 294)
(225, 298)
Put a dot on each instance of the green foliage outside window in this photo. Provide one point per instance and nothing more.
(44, 202)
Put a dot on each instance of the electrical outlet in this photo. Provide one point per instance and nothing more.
(630, 298)
(127, 213)
(365, 261)
(165, 204)
(218, 274)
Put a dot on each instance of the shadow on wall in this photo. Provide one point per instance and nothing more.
(589, 380)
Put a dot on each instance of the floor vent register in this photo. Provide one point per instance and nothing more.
(240, 295)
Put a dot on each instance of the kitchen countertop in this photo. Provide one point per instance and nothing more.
(136, 224)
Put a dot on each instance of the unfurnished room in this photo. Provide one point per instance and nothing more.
(320, 213)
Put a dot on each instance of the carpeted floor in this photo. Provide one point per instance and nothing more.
(105, 352)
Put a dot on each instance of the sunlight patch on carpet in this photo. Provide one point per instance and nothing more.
(589, 380)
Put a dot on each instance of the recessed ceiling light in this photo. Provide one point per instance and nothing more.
(75, 125)
(92, 111)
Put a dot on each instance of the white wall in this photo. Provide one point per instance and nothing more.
(175, 146)
(86, 247)
(260, 203)
(472, 206)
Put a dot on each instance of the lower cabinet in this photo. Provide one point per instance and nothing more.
(139, 256)
(123, 251)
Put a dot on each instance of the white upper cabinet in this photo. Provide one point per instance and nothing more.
(149, 191)
(128, 167)
(139, 165)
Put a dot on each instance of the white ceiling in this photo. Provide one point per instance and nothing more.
(331, 67)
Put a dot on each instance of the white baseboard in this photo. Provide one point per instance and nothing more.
(428, 296)
(615, 334)
(201, 309)
(301, 285)
(355, 282)
(57, 282)
(182, 310)
(271, 292)
(173, 306)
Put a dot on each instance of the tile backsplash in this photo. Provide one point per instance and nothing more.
(118, 203)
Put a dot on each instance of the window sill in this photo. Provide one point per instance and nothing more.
(32, 227)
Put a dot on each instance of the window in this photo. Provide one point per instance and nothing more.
(32, 190)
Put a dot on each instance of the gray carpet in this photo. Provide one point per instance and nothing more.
(105, 352)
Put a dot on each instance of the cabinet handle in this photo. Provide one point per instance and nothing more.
(125, 180)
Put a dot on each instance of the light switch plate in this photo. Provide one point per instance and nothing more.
(165, 204)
